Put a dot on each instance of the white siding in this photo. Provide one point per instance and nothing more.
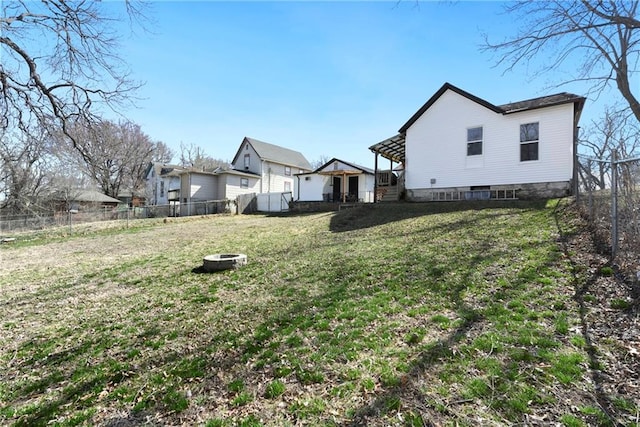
(337, 165)
(314, 188)
(311, 187)
(436, 146)
(232, 187)
(202, 187)
(255, 163)
(273, 178)
(367, 191)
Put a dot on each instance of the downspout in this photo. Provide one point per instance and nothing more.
(261, 176)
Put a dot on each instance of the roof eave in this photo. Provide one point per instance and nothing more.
(438, 94)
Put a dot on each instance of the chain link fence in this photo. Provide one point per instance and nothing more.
(10, 224)
(609, 196)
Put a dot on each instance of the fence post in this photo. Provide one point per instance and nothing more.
(614, 204)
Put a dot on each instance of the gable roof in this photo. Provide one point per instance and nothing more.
(543, 101)
(164, 170)
(514, 107)
(275, 153)
(362, 169)
(82, 195)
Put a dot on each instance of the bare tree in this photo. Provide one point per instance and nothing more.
(319, 162)
(602, 35)
(115, 154)
(162, 153)
(193, 156)
(59, 63)
(616, 131)
(25, 171)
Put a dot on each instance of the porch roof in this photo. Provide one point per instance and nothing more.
(391, 148)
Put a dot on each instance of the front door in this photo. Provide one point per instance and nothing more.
(337, 189)
(353, 188)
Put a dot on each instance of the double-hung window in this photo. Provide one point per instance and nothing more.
(287, 170)
(474, 141)
(244, 182)
(529, 139)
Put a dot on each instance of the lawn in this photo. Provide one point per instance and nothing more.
(407, 314)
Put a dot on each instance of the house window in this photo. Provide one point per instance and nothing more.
(244, 182)
(287, 186)
(287, 170)
(247, 161)
(529, 141)
(474, 141)
(161, 188)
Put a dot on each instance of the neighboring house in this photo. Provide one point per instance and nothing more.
(274, 165)
(258, 167)
(197, 187)
(128, 198)
(83, 200)
(336, 181)
(161, 179)
(460, 146)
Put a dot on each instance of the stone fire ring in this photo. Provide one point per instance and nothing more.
(219, 262)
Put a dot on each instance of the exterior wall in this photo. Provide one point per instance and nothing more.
(232, 187)
(527, 191)
(318, 185)
(255, 164)
(170, 183)
(369, 185)
(311, 187)
(198, 187)
(273, 178)
(436, 147)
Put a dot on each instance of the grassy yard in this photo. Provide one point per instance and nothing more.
(408, 315)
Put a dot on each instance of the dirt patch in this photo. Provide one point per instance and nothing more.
(610, 318)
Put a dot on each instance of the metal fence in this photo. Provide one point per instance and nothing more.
(19, 223)
(609, 195)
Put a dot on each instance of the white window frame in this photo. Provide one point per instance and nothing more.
(524, 141)
(287, 186)
(475, 141)
(244, 182)
(287, 171)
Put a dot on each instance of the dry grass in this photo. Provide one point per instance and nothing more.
(384, 315)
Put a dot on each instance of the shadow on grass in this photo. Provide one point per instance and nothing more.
(300, 314)
(372, 215)
(582, 286)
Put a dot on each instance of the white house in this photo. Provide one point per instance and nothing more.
(161, 178)
(336, 181)
(258, 167)
(199, 187)
(274, 165)
(460, 146)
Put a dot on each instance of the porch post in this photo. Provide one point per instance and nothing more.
(344, 187)
(375, 179)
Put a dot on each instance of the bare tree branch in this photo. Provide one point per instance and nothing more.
(602, 36)
(60, 63)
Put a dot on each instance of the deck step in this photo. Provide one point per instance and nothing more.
(390, 194)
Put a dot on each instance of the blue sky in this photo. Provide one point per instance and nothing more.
(323, 78)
